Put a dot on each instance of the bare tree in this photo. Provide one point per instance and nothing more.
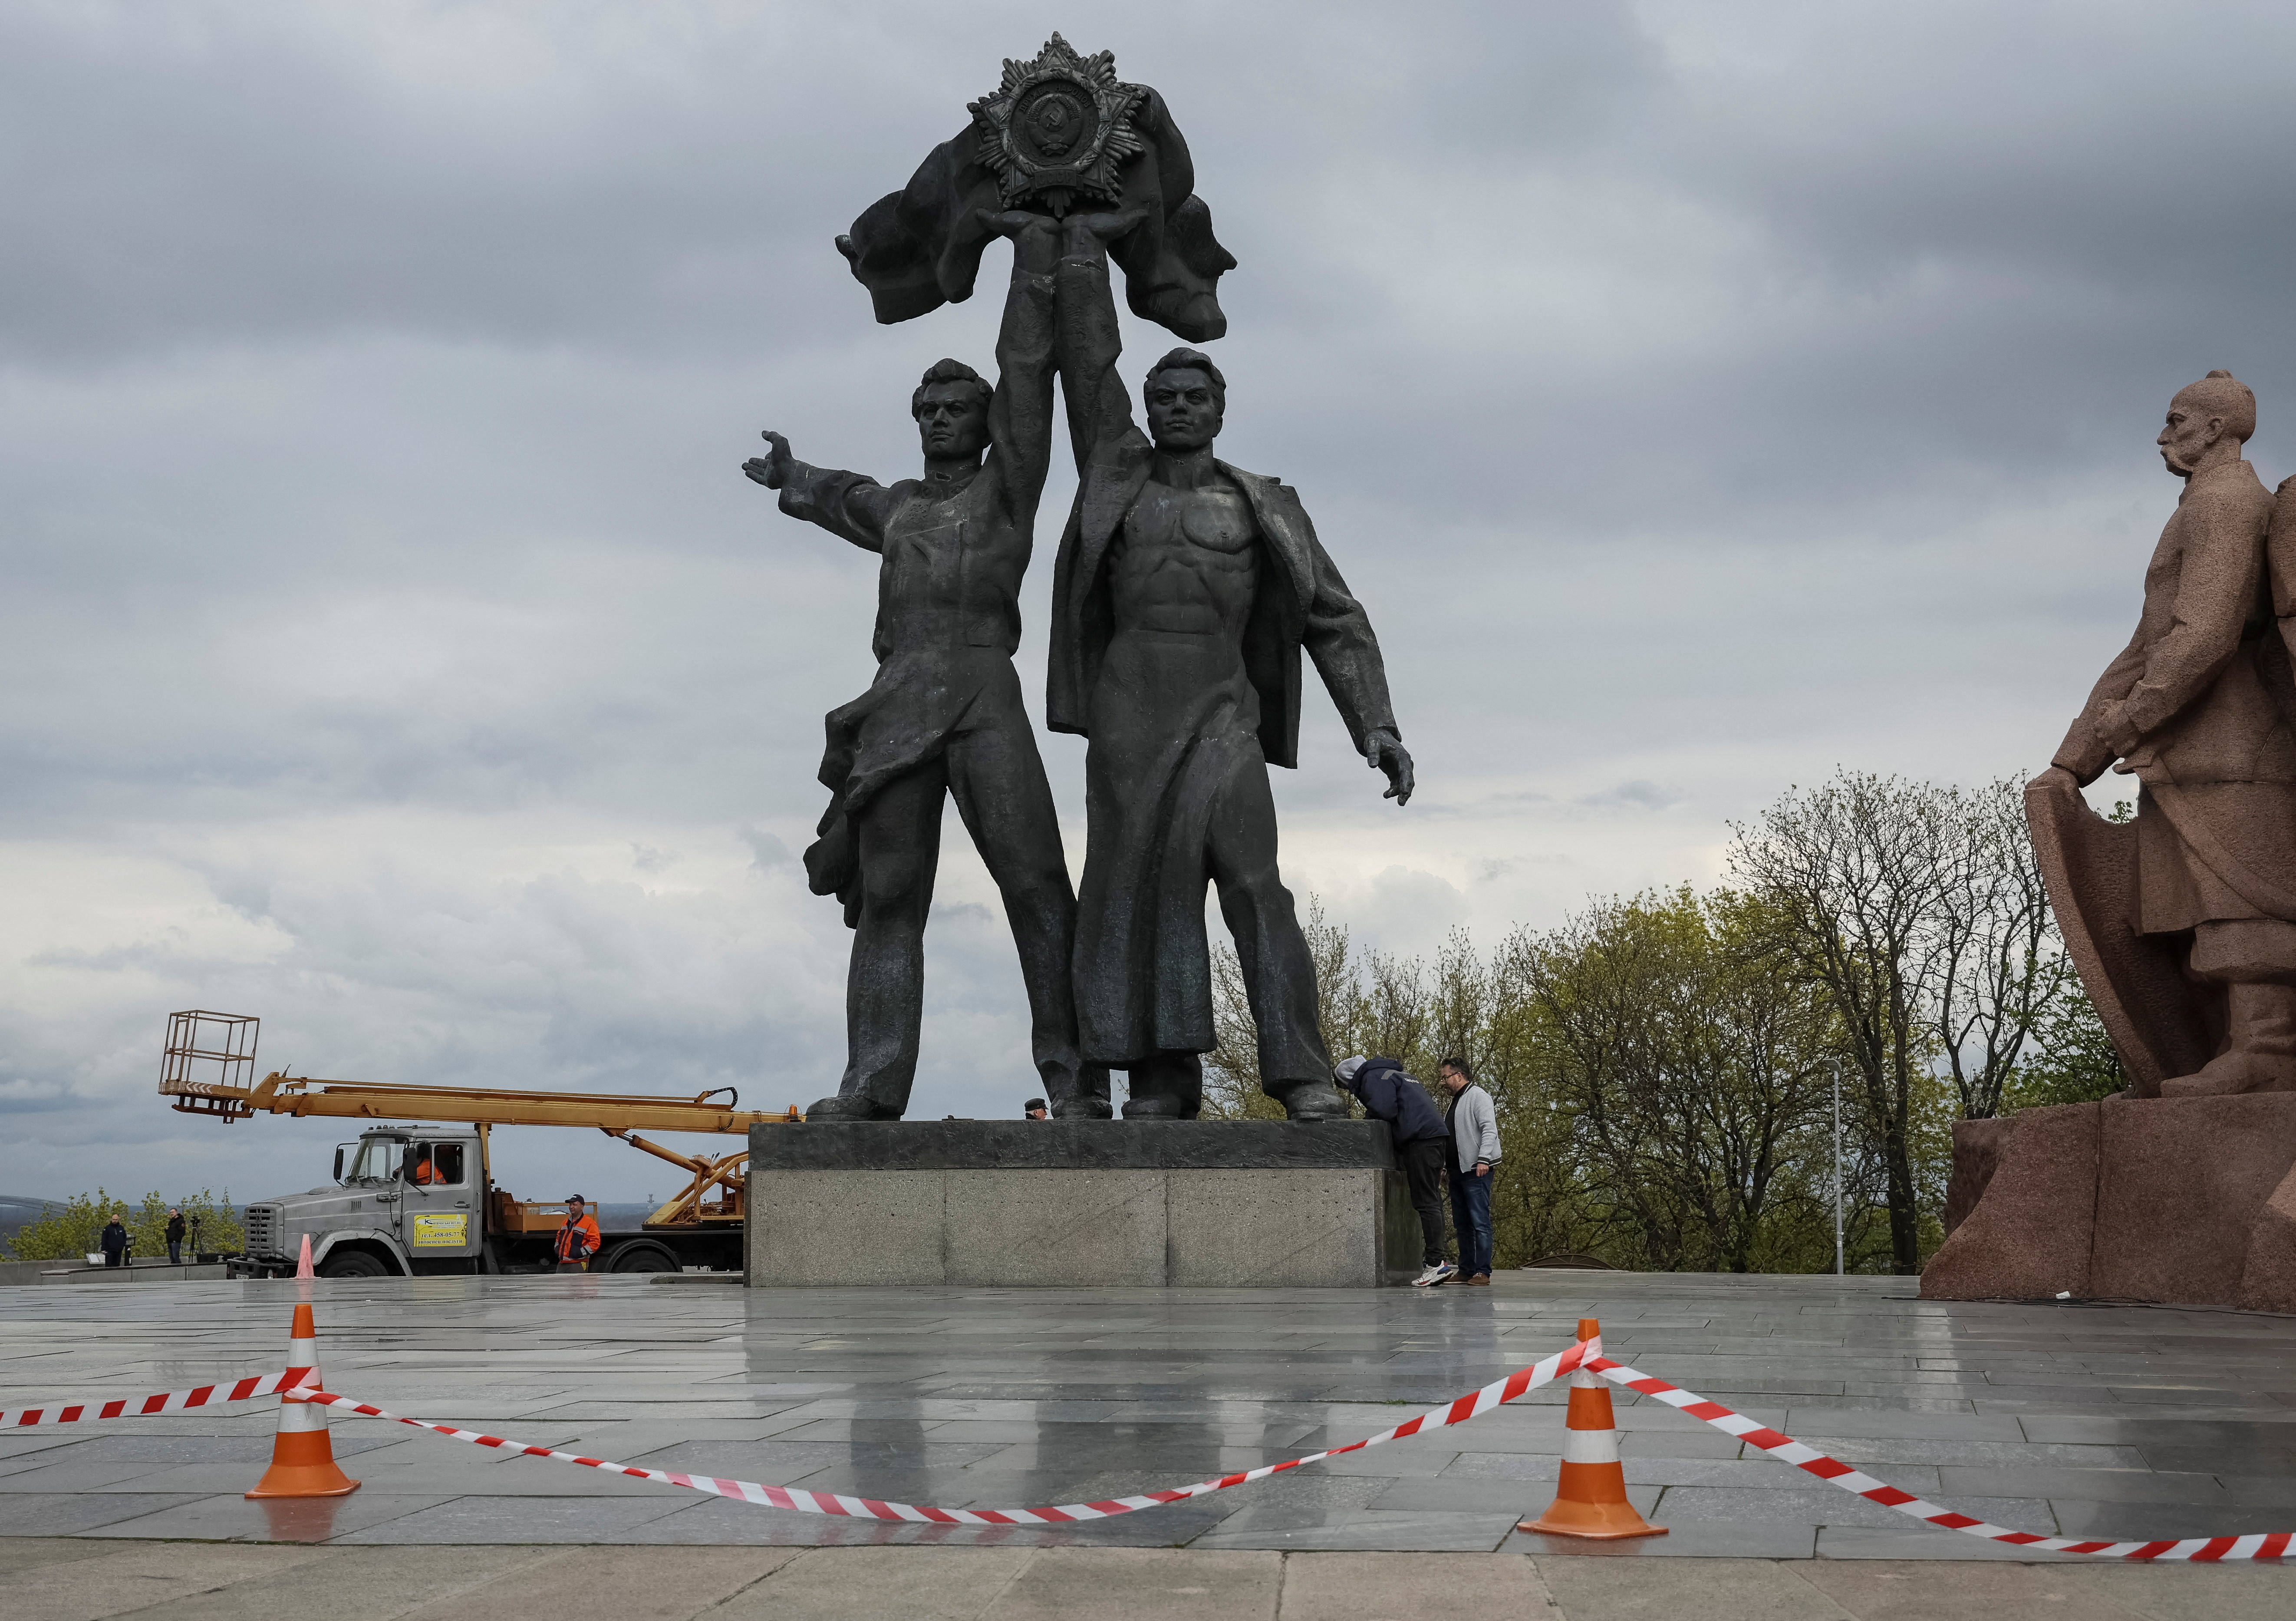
(1859, 873)
(1999, 966)
(1232, 1068)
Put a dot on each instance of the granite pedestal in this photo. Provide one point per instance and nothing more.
(1065, 1203)
(2184, 1201)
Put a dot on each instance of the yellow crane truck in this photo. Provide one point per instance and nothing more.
(380, 1220)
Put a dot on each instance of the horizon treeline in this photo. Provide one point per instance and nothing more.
(1663, 1065)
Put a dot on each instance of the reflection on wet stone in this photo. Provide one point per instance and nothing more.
(1012, 1399)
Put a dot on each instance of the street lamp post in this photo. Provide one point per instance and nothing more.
(1835, 1065)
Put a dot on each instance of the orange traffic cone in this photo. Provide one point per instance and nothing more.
(1592, 1498)
(303, 1459)
(303, 1266)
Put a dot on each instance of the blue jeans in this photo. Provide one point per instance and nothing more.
(1471, 1221)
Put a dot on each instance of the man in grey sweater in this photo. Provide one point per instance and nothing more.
(1474, 1155)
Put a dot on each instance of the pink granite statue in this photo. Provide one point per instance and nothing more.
(2183, 1188)
(2184, 926)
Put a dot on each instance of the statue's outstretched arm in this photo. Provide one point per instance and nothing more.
(850, 506)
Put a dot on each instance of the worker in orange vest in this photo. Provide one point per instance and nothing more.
(423, 1173)
(578, 1240)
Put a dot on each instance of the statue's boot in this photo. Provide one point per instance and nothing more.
(1309, 1099)
(1169, 1086)
(853, 1107)
(2261, 1056)
(1077, 1096)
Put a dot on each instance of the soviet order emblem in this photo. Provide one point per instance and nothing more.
(1059, 126)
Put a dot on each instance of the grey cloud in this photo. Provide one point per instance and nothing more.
(1694, 397)
(1635, 795)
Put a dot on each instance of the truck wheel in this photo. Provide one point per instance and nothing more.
(352, 1264)
(643, 1258)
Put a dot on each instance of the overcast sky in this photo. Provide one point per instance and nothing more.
(1699, 397)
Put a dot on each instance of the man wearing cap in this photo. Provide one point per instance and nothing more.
(1035, 1109)
(1421, 1140)
(578, 1240)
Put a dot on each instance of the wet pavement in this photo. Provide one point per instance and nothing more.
(2093, 1422)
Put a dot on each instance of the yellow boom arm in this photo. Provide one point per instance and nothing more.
(276, 1094)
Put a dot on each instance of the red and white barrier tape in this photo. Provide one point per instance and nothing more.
(2257, 1546)
(1493, 1394)
(144, 1407)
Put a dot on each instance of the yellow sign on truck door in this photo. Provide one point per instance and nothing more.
(441, 1229)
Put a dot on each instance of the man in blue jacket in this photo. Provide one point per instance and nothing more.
(1421, 1142)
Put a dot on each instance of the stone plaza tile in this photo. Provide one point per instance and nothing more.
(1811, 1503)
(230, 1516)
(1873, 1423)
(69, 1514)
(1881, 1450)
(1916, 1542)
(1366, 1531)
(519, 1519)
(1467, 1495)
(2150, 1521)
(2102, 1485)
(67, 1476)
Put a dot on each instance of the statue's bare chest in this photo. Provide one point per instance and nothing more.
(1187, 559)
(1216, 519)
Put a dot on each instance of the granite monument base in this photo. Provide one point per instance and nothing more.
(1071, 1204)
(2183, 1201)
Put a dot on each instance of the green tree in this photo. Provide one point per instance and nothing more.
(76, 1227)
(2075, 1060)
(1691, 1062)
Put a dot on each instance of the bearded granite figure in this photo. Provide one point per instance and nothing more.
(2191, 957)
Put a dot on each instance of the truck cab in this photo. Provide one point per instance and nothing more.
(408, 1201)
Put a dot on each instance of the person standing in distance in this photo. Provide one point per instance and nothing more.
(578, 1240)
(1474, 1136)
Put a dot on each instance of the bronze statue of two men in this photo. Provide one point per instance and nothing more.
(1184, 593)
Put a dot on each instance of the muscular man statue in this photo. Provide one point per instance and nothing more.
(1185, 591)
(2201, 708)
(944, 714)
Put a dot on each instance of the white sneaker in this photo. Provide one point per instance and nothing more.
(1433, 1275)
